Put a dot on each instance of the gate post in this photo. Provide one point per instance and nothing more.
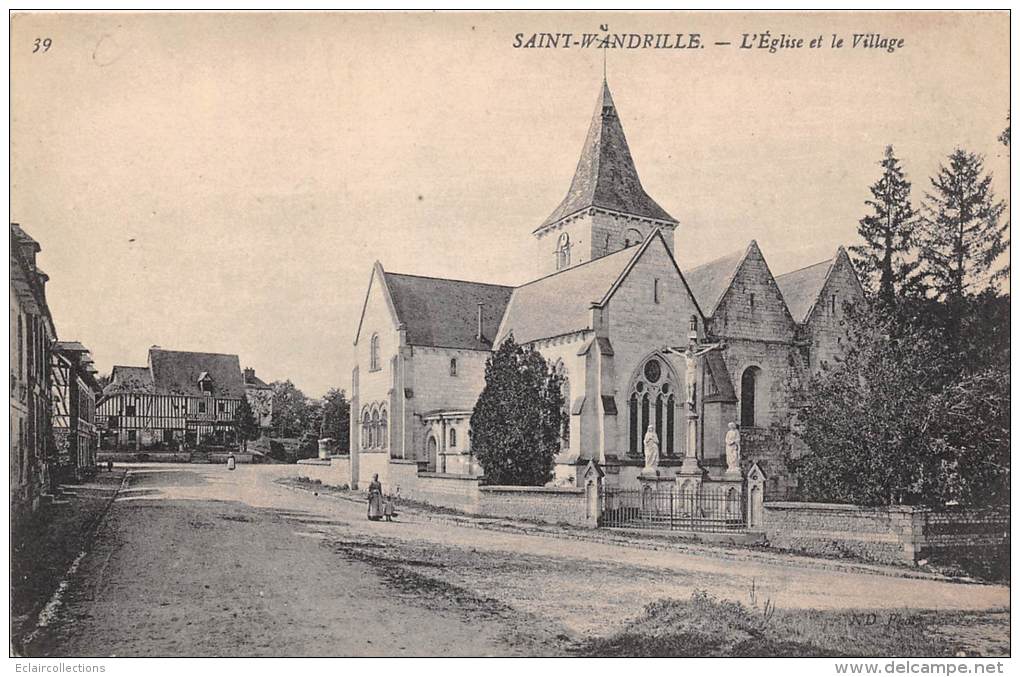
(593, 484)
(755, 497)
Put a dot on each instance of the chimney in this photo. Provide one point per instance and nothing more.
(249, 375)
(479, 335)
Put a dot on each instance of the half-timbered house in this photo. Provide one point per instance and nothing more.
(180, 400)
(74, 392)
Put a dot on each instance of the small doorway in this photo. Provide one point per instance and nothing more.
(433, 453)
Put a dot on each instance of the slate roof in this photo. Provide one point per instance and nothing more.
(559, 304)
(444, 313)
(70, 347)
(605, 176)
(129, 380)
(723, 390)
(257, 383)
(27, 279)
(709, 281)
(176, 372)
(800, 288)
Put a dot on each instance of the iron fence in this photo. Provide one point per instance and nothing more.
(674, 510)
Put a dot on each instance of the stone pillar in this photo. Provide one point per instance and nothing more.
(755, 498)
(324, 445)
(691, 474)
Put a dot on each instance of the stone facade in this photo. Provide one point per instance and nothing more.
(31, 335)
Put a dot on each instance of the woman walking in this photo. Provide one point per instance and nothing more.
(375, 498)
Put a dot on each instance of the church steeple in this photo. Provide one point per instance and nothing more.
(605, 176)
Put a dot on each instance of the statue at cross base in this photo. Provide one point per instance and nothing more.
(732, 448)
(651, 449)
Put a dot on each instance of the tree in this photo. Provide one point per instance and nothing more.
(898, 418)
(291, 413)
(246, 425)
(516, 423)
(960, 236)
(884, 260)
(862, 417)
(336, 417)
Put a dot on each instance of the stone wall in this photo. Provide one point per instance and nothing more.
(145, 456)
(335, 471)
(555, 505)
(371, 463)
(891, 535)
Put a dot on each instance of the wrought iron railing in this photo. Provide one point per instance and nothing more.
(674, 510)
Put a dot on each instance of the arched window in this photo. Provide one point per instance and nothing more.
(453, 366)
(632, 236)
(453, 438)
(652, 402)
(375, 429)
(384, 440)
(748, 393)
(373, 364)
(565, 409)
(563, 251)
(366, 429)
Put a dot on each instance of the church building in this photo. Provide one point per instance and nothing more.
(644, 346)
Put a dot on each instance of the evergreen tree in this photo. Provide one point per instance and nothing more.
(246, 425)
(336, 417)
(960, 236)
(517, 421)
(884, 258)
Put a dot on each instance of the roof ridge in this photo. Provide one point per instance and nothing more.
(579, 265)
(735, 253)
(810, 265)
(450, 279)
(194, 352)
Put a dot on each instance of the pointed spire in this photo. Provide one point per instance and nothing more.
(606, 176)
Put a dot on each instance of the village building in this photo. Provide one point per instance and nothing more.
(32, 333)
(260, 397)
(74, 392)
(179, 401)
(643, 346)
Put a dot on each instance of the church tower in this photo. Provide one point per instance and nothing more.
(606, 208)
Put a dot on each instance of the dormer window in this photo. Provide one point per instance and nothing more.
(205, 383)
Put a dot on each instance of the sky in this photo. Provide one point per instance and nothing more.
(224, 182)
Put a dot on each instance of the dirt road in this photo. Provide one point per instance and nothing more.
(197, 560)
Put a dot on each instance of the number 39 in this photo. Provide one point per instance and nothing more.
(42, 44)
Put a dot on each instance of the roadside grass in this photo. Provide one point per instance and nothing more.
(706, 626)
(43, 547)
